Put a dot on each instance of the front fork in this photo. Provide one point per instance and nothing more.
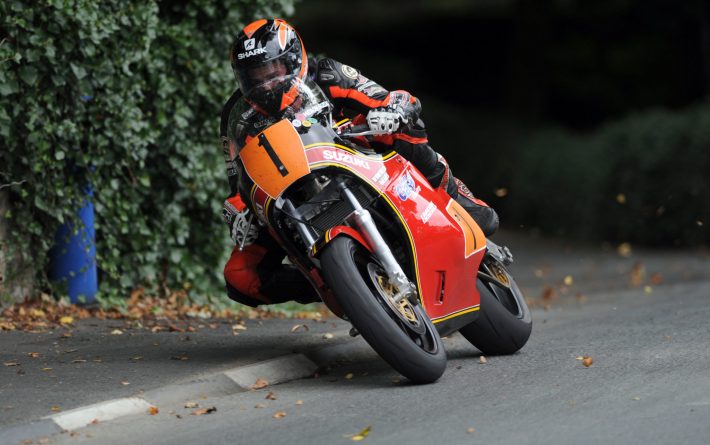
(362, 220)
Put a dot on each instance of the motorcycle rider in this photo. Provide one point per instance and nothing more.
(267, 56)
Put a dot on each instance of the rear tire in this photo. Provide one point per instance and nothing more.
(414, 349)
(504, 324)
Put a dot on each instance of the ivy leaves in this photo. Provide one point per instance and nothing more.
(124, 95)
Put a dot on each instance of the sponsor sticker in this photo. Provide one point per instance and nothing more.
(381, 177)
(405, 187)
(296, 123)
(349, 71)
(306, 123)
(428, 211)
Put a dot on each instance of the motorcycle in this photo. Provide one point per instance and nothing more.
(400, 260)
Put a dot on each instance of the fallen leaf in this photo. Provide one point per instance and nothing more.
(155, 329)
(203, 411)
(328, 336)
(638, 274)
(621, 198)
(279, 414)
(299, 402)
(239, 327)
(636, 398)
(501, 192)
(153, 410)
(192, 405)
(43, 440)
(180, 357)
(137, 357)
(259, 405)
(579, 357)
(33, 354)
(624, 250)
(568, 280)
(483, 360)
(299, 326)
(362, 434)
(66, 320)
(471, 430)
(587, 361)
(116, 332)
(349, 376)
(125, 383)
(79, 360)
(98, 360)
(699, 223)
(94, 422)
(270, 396)
(260, 383)
(648, 290)
(11, 364)
(46, 369)
(66, 335)
(56, 409)
(656, 279)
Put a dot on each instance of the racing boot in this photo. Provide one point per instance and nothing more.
(485, 216)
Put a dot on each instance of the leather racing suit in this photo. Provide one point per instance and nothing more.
(255, 275)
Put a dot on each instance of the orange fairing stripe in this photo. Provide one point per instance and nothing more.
(251, 28)
(337, 92)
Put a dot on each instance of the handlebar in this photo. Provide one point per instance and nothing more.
(360, 130)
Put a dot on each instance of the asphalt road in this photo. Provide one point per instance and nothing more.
(649, 384)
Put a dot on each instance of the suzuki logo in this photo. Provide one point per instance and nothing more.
(249, 44)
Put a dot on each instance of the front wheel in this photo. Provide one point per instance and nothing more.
(401, 334)
(505, 324)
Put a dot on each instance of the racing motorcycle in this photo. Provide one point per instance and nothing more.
(400, 260)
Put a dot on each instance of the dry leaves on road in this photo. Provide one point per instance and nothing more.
(153, 410)
(270, 396)
(586, 360)
(33, 354)
(192, 405)
(349, 376)
(302, 327)
(117, 332)
(180, 358)
(483, 360)
(471, 430)
(67, 319)
(260, 383)
(328, 336)
(11, 363)
(299, 402)
(279, 414)
(55, 409)
(362, 434)
(203, 411)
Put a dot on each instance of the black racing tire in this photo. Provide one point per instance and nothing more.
(504, 324)
(419, 357)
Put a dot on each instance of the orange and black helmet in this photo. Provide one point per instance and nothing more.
(268, 59)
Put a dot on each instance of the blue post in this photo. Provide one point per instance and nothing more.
(73, 257)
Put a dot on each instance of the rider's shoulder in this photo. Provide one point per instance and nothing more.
(332, 72)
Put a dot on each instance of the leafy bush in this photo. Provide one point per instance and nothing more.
(124, 95)
(642, 179)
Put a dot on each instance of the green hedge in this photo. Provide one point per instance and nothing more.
(659, 160)
(129, 93)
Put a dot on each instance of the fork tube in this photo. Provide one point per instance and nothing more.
(362, 220)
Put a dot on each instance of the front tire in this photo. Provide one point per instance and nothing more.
(412, 346)
(504, 324)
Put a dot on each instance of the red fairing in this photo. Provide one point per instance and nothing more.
(448, 246)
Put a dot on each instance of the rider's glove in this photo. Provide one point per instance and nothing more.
(401, 109)
(242, 228)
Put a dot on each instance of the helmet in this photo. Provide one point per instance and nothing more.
(268, 59)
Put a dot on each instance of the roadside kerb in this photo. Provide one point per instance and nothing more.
(240, 379)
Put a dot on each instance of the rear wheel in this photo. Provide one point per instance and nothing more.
(505, 324)
(401, 333)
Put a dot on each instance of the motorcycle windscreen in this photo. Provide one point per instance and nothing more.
(275, 158)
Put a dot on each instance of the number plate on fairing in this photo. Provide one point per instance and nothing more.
(275, 158)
